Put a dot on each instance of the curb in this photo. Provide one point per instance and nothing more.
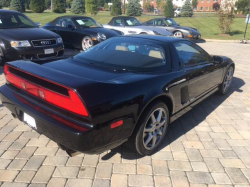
(227, 41)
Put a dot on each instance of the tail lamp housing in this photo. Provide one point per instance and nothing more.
(71, 103)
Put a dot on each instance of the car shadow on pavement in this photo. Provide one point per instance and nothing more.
(185, 124)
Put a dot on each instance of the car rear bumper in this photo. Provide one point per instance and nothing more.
(91, 141)
(33, 52)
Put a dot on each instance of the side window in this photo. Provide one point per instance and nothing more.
(191, 54)
(118, 22)
(159, 22)
(150, 22)
(25, 21)
(64, 22)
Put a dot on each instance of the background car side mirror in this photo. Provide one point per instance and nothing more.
(70, 27)
(217, 60)
(38, 24)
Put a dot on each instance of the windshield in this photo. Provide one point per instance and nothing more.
(13, 20)
(87, 23)
(132, 54)
(170, 22)
(132, 22)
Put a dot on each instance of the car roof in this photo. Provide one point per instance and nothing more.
(65, 17)
(165, 39)
(8, 11)
(123, 17)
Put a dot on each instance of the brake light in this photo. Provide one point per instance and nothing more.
(71, 103)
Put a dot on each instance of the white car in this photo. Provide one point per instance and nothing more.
(130, 25)
(177, 12)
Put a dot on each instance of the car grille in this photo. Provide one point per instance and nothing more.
(46, 42)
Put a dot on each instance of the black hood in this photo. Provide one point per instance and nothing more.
(108, 33)
(27, 34)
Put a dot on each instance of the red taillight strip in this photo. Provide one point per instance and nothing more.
(57, 118)
(72, 103)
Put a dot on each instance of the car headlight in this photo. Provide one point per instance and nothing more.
(24, 43)
(59, 40)
(101, 36)
(156, 33)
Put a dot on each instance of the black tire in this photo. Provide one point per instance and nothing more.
(222, 89)
(136, 141)
(84, 48)
(2, 60)
(143, 33)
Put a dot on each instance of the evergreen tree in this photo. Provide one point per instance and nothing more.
(134, 8)
(116, 8)
(68, 3)
(27, 4)
(187, 10)
(78, 7)
(169, 9)
(37, 6)
(5, 3)
(59, 6)
(47, 4)
(91, 7)
(17, 5)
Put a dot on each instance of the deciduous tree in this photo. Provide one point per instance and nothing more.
(226, 16)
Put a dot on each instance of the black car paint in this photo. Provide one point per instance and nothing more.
(110, 96)
(73, 36)
(17, 34)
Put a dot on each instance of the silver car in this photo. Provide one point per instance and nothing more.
(130, 25)
(177, 30)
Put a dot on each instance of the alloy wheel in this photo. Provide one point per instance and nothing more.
(86, 43)
(178, 34)
(228, 79)
(155, 128)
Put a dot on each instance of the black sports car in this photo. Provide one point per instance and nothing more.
(131, 90)
(80, 31)
(21, 38)
(172, 26)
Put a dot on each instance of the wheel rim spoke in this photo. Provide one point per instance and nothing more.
(155, 128)
(149, 138)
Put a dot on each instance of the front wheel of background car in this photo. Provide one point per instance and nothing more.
(224, 87)
(87, 43)
(143, 33)
(178, 34)
(150, 130)
(2, 60)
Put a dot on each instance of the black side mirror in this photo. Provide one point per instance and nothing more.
(70, 27)
(217, 60)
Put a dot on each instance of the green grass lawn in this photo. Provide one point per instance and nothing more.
(206, 23)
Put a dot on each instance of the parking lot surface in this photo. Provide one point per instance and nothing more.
(208, 147)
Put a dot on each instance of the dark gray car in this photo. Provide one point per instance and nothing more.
(172, 26)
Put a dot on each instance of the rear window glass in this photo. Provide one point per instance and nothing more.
(127, 54)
